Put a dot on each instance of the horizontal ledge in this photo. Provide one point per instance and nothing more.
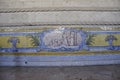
(58, 63)
(52, 9)
(84, 24)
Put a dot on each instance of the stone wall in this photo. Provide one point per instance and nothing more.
(28, 12)
(58, 3)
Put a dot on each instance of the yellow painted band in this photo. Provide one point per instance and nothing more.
(58, 53)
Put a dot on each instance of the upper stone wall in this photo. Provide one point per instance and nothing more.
(30, 12)
(78, 4)
(60, 17)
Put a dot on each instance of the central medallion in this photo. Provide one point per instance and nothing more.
(66, 38)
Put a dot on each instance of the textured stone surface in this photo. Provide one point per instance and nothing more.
(58, 3)
(59, 17)
(109, 72)
(64, 17)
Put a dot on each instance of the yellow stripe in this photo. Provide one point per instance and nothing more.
(79, 27)
(59, 53)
